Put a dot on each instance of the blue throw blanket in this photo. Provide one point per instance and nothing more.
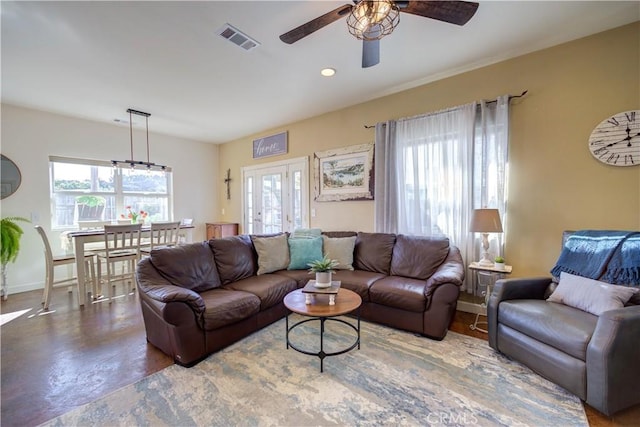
(611, 256)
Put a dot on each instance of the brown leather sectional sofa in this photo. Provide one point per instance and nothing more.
(201, 297)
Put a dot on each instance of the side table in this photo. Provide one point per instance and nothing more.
(492, 274)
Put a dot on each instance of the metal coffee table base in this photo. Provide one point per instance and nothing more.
(322, 354)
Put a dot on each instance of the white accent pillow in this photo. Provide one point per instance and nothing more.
(340, 249)
(273, 253)
(590, 295)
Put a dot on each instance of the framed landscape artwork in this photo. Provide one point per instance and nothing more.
(344, 174)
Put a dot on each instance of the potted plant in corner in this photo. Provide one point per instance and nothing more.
(323, 269)
(10, 234)
(499, 263)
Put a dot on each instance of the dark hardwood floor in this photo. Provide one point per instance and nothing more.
(55, 361)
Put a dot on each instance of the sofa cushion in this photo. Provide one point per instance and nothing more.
(269, 288)
(565, 328)
(340, 249)
(590, 295)
(273, 253)
(399, 292)
(224, 307)
(235, 258)
(373, 252)
(189, 266)
(300, 276)
(304, 251)
(306, 233)
(418, 257)
(357, 281)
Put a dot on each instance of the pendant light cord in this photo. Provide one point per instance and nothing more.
(131, 133)
(147, 120)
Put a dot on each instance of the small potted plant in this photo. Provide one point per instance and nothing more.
(323, 269)
(499, 263)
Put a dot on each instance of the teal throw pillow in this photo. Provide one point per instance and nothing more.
(306, 233)
(304, 251)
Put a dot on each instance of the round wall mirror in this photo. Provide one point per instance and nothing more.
(11, 177)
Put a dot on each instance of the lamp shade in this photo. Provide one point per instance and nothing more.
(485, 221)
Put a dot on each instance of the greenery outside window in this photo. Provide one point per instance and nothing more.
(93, 190)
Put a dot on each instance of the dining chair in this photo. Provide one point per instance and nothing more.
(122, 245)
(52, 261)
(182, 237)
(163, 235)
(93, 225)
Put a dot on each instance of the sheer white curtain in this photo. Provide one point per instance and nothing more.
(434, 155)
(433, 170)
(490, 166)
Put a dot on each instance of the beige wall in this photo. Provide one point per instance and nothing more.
(29, 137)
(555, 183)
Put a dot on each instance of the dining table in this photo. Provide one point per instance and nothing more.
(77, 239)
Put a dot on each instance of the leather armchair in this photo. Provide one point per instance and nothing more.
(594, 357)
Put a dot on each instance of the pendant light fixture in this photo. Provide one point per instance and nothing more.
(138, 163)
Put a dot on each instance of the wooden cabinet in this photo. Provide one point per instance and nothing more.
(216, 230)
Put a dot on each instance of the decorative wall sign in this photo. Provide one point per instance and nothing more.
(270, 146)
(344, 174)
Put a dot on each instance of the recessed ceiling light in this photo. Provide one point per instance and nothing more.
(327, 72)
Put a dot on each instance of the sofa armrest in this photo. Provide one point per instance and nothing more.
(521, 288)
(156, 287)
(508, 289)
(450, 271)
(613, 377)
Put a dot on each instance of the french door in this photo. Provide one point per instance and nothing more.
(275, 196)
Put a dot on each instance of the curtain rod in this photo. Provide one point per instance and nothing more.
(487, 102)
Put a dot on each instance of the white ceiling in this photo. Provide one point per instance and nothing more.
(96, 59)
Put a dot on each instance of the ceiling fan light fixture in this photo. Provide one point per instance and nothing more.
(373, 19)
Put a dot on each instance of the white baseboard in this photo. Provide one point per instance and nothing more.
(469, 307)
(24, 287)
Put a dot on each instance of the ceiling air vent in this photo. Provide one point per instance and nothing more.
(237, 37)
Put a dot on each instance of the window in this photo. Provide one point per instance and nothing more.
(90, 190)
(433, 170)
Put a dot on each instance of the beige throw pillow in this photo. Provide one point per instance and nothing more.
(590, 295)
(340, 249)
(273, 253)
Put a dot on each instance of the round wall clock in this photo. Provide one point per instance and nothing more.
(616, 140)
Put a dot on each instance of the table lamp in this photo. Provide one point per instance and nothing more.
(485, 221)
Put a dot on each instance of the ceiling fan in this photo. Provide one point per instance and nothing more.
(370, 20)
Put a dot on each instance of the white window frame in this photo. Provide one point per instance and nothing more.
(118, 192)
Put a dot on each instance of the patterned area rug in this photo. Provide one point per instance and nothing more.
(396, 378)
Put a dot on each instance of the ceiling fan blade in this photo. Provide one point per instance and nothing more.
(371, 48)
(453, 12)
(315, 24)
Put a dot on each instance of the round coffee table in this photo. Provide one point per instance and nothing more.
(318, 309)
